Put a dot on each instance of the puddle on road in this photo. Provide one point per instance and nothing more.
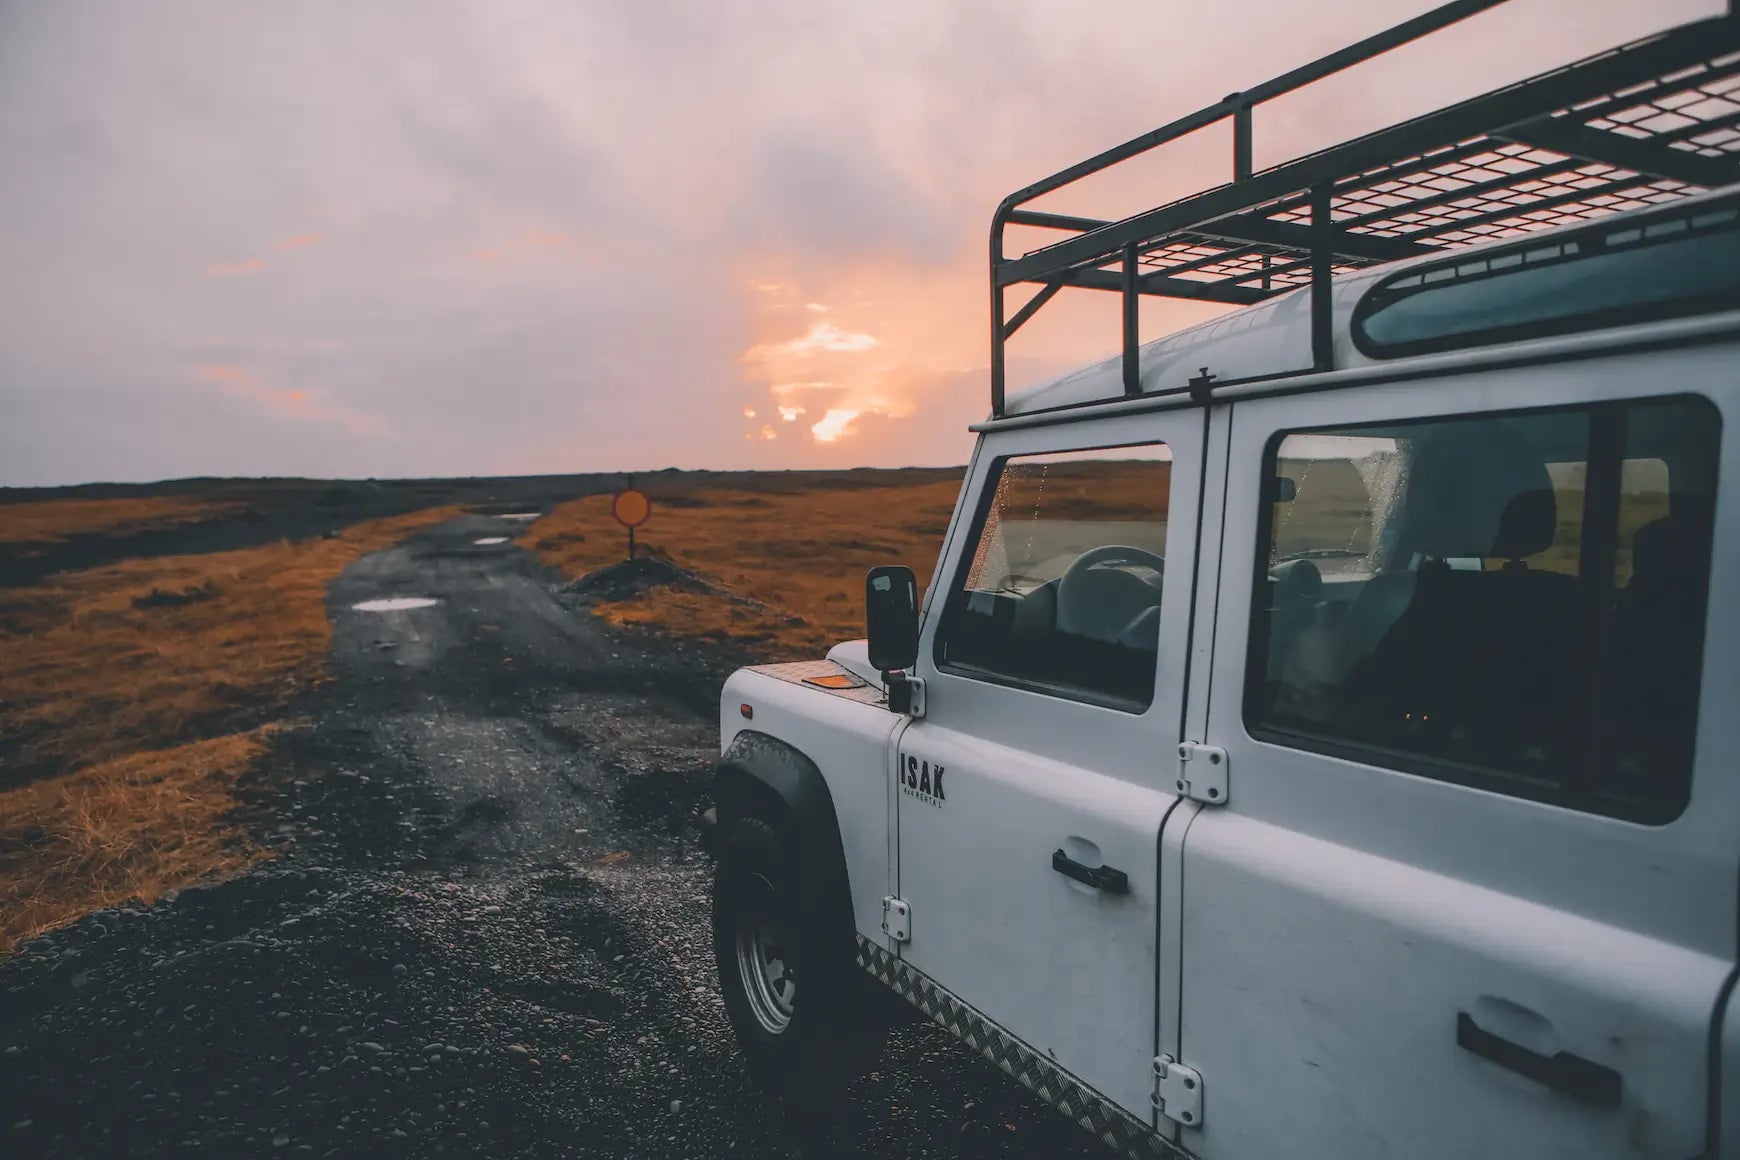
(394, 604)
(520, 516)
(488, 540)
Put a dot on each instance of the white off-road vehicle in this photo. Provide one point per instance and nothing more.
(1319, 736)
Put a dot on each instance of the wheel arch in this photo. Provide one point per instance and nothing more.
(761, 775)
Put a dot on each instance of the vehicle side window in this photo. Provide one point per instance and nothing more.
(1514, 601)
(1060, 590)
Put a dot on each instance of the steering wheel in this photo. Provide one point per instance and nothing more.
(1107, 603)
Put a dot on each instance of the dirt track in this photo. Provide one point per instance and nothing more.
(486, 934)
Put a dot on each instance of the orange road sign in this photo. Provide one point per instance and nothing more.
(631, 507)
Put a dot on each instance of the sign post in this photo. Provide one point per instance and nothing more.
(631, 508)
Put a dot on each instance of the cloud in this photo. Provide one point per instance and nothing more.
(821, 336)
(827, 336)
(817, 385)
(239, 382)
(528, 243)
(239, 269)
(835, 425)
(856, 386)
(546, 239)
(817, 191)
(566, 226)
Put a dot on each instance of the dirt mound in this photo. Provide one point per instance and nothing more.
(633, 578)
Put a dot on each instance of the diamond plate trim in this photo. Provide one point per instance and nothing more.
(1108, 1122)
(799, 673)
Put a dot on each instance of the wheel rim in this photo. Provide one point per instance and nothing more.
(762, 964)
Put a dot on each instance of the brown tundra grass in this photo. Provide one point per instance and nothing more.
(130, 828)
(797, 557)
(132, 696)
(51, 520)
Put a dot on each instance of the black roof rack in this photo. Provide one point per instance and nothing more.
(1637, 125)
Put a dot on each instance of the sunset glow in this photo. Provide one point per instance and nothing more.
(836, 424)
(443, 245)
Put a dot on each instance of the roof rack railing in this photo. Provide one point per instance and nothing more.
(1636, 125)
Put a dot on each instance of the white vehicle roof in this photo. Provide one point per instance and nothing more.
(1640, 125)
(1270, 338)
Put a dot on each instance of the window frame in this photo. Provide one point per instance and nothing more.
(956, 587)
(1480, 777)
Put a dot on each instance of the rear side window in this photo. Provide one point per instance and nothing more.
(1514, 601)
(1060, 591)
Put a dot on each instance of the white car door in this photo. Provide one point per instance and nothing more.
(1473, 890)
(1030, 797)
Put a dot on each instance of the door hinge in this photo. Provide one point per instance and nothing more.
(906, 694)
(1177, 1091)
(896, 919)
(1202, 773)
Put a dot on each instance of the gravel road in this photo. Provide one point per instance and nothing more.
(485, 932)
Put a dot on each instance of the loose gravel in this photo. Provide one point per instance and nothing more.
(485, 933)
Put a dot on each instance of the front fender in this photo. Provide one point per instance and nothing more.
(764, 776)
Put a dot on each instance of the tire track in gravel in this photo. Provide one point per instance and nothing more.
(487, 933)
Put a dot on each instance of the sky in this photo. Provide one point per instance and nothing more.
(434, 238)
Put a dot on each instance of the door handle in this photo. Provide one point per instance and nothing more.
(1099, 877)
(1579, 1078)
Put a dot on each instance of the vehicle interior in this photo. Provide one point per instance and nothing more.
(1527, 602)
(1091, 630)
(1064, 587)
(1518, 598)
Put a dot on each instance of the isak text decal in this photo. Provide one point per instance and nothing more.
(922, 780)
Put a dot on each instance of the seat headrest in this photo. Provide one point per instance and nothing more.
(1477, 489)
(1527, 525)
(1665, 550)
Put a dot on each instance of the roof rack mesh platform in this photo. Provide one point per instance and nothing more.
(1638, 125)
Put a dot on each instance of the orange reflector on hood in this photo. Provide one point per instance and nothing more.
(835, 681)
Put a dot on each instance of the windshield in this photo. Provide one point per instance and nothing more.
(1344, 492)
(1049, 509)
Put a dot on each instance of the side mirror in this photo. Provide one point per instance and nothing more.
(1285, 489)
(891, 617)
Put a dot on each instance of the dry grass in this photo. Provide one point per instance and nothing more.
(98, 664)
(52, 520)
(131, 828)
(113, 682)
(799, 557)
